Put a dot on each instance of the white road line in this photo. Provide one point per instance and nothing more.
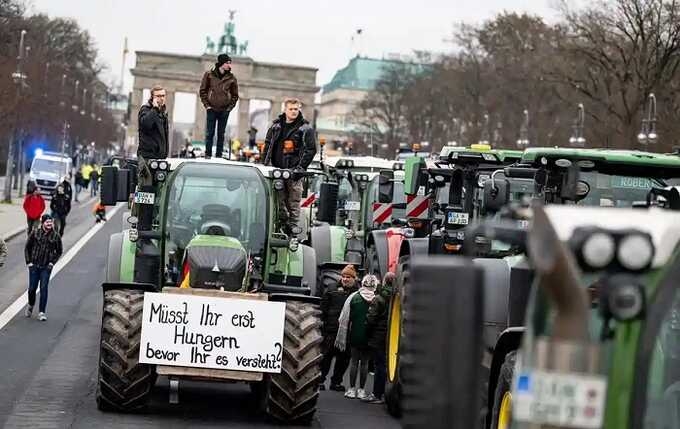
(22, 301)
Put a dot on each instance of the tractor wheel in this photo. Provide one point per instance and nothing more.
(372, 263)
(329, 277)
(124, 384)
(501, 414)
(291, 396)
(396, 338)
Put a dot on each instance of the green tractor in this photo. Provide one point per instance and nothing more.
(451, 191)
(209, 228)
(601, 346)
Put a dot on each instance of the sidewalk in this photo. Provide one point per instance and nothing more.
(12, 217)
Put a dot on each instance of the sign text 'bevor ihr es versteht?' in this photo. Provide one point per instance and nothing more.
(210, 332)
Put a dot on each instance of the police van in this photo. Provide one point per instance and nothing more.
(48, 170)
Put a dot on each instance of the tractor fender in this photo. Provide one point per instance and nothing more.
(378, 239)
(394, 239)
(509, 340)
(496, 295)
(329, 242)
(309, 268)
(113, 258)
(414, 246)
(304, 221)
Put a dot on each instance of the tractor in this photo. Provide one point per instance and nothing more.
(601, 347)
(209, 227)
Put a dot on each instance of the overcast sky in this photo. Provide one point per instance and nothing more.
(313, 33)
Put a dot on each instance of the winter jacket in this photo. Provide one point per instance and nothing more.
(331, 306)
(43, 247)
(153, 133)
(304, 144)
(60, 204)
(34, 206)
(68, 190)
(358, 336)
(376, 322)
(219, 92)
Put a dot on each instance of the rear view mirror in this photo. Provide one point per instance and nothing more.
(496, 195)
(570, 186)
(328, 202)
(386, 187)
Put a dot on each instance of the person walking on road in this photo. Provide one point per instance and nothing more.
(94, 181)
(332, 302)
(61, 207)
(3, 252)
(153, 134)
(86, 171)
(353, 327)
(376, 329)
(66, 183)
(290, 144)
(219, 94)
(79, 184)
(43, 250)
(34, 206)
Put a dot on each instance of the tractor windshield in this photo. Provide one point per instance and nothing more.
(615, 191)
(231, 199)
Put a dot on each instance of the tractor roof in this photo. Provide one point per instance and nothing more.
(502, 155)
(359, 162)
(176, 162)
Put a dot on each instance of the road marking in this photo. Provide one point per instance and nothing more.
(22, 301)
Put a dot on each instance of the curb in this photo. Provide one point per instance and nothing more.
(13, 234)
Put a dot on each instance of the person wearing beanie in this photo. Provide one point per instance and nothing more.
(332, 302)
(34, 206)
(352, 331)
(43, 249)
(376, 330)
(219, 94)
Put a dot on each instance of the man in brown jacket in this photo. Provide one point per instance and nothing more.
(219, 94)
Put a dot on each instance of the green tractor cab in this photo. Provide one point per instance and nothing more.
(208, 228)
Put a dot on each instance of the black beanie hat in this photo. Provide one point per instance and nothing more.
(45, 217)
(222, 58)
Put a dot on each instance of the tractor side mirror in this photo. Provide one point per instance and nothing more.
(496, 194)
(445, 343)
(386, 187)
(570, 184)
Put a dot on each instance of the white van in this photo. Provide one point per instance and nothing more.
(48, 169)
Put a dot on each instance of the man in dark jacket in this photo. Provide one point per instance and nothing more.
(153, 134)
(331, 306)
(376, 326)
(290, 144)
(66, 184)
(61, 207)
(219, 94)
(42, 251)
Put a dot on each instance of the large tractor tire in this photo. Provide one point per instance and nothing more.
(501, 414)
(329, 277)
(396, 338)
(291, 396)
(124, 384)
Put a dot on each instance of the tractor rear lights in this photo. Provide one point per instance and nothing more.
(599, 249)
(153, 165)
(281, 174)
(160, 176)
(276, 174)
(285, 174)
(361, 178)
(622, 297)
(344, 163)
(278, 184)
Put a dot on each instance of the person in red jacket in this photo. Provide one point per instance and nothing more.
(34, 206)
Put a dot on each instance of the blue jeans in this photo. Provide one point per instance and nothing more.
(218, 119)
(38, 275)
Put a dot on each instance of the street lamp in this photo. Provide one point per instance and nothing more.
(82, 110)
(648, 130)
(19, 78)
(75, 97)
(577, 139)
(523, 140)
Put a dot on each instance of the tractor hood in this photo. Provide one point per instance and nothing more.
(216, 262)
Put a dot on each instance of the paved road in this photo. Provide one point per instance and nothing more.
(49, 370)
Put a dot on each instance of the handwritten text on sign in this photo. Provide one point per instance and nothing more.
(209, 332)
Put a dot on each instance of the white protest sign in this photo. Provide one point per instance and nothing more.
(210, 332)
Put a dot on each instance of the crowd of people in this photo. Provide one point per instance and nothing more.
(354, 315)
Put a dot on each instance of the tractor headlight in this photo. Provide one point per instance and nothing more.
(153, 165)
(163, 165)
(409, 232)
(293, 245)
(278, 184)
(160, 176)
(349, 234)
(277, 174)
(635, 252)
(598, 250)
(133, 235)
(285, 174)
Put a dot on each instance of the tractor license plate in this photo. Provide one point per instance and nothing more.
(560, 399)
(458, 218)
(352, 205)
(145, 197)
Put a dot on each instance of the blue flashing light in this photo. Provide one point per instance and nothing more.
(38, 152)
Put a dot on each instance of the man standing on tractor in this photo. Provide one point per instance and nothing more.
(331, 306)
(219, 94)
(153, 134)
(42, 251)
(290, 144)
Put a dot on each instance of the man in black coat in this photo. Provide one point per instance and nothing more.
(376, 328)
(331, 306)
(43, 250)
(61, 207)
(290, 144)
(153, 133)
